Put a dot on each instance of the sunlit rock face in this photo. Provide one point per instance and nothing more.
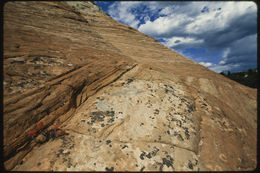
(101, 96)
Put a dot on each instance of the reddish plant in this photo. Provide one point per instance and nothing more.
(40, 126)
(32, 133)
(40, 123)
(63, 131)
(57, 133)
(56, 127)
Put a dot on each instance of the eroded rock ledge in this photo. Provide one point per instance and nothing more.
(127, 102)
(44, 103)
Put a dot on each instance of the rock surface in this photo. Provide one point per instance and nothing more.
(126, 102)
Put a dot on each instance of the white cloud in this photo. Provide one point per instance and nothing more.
(216, 19)
(166, 11)
(226, 26)
(206, 64)
(221, 68)
(164, 25)
(225, 53)
(221, 62)
(146, 18)
(191, 19)
(121, 11)
(174, 41)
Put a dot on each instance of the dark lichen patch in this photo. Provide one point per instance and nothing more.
(93, 130)
(141, 124)
(67, 142)
(183, 100)
(142, 169)
(102, 125)
(110, 113)
(39, 163)
(108, 142)
(204, 105)
(196, 162)
(69, 165)
(148, 156)
(83, 121)
(155, 151)
(179, 137)
(69, 162)
(168, 161)
(59, 153)
(159, 137)
(156, 112)
(191, 107)
(97, 116)
(111, 120)
(187, 134)
(190, 165)
(130, 80)
(109, 169)
(165, 152)
(142, 155)
(179, 123)
(52, 163)
(151, 117)
(125, 146)
(161, 166)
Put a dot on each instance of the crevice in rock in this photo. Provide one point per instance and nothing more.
(75, 90)
(160, 142)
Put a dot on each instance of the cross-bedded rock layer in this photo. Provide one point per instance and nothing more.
(127, 102)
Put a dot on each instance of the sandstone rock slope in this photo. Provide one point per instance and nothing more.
(122, 100)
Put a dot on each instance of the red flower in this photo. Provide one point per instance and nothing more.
(32, 133)
(40, 123)
(56, 127)
(40, 126)
(63, 131)
(57, 133)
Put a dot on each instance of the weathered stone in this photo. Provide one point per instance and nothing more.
(126, 102)
(40, 139)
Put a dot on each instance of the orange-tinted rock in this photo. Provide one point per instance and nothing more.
(127, 102)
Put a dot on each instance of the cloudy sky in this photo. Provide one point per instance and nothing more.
(221, 35)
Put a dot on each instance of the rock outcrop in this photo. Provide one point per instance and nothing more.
(126, 102)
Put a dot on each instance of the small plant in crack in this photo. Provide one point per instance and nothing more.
(32, 133)
(44, 134)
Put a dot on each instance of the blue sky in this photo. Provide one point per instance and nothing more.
(221, 35)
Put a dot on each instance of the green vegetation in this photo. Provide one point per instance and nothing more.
(248, 77)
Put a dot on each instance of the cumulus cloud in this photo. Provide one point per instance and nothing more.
(225, 68)
(176, 42)
(206, 64)
(121, 11)
(229, 27)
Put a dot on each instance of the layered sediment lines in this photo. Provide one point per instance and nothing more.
(127, 102)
